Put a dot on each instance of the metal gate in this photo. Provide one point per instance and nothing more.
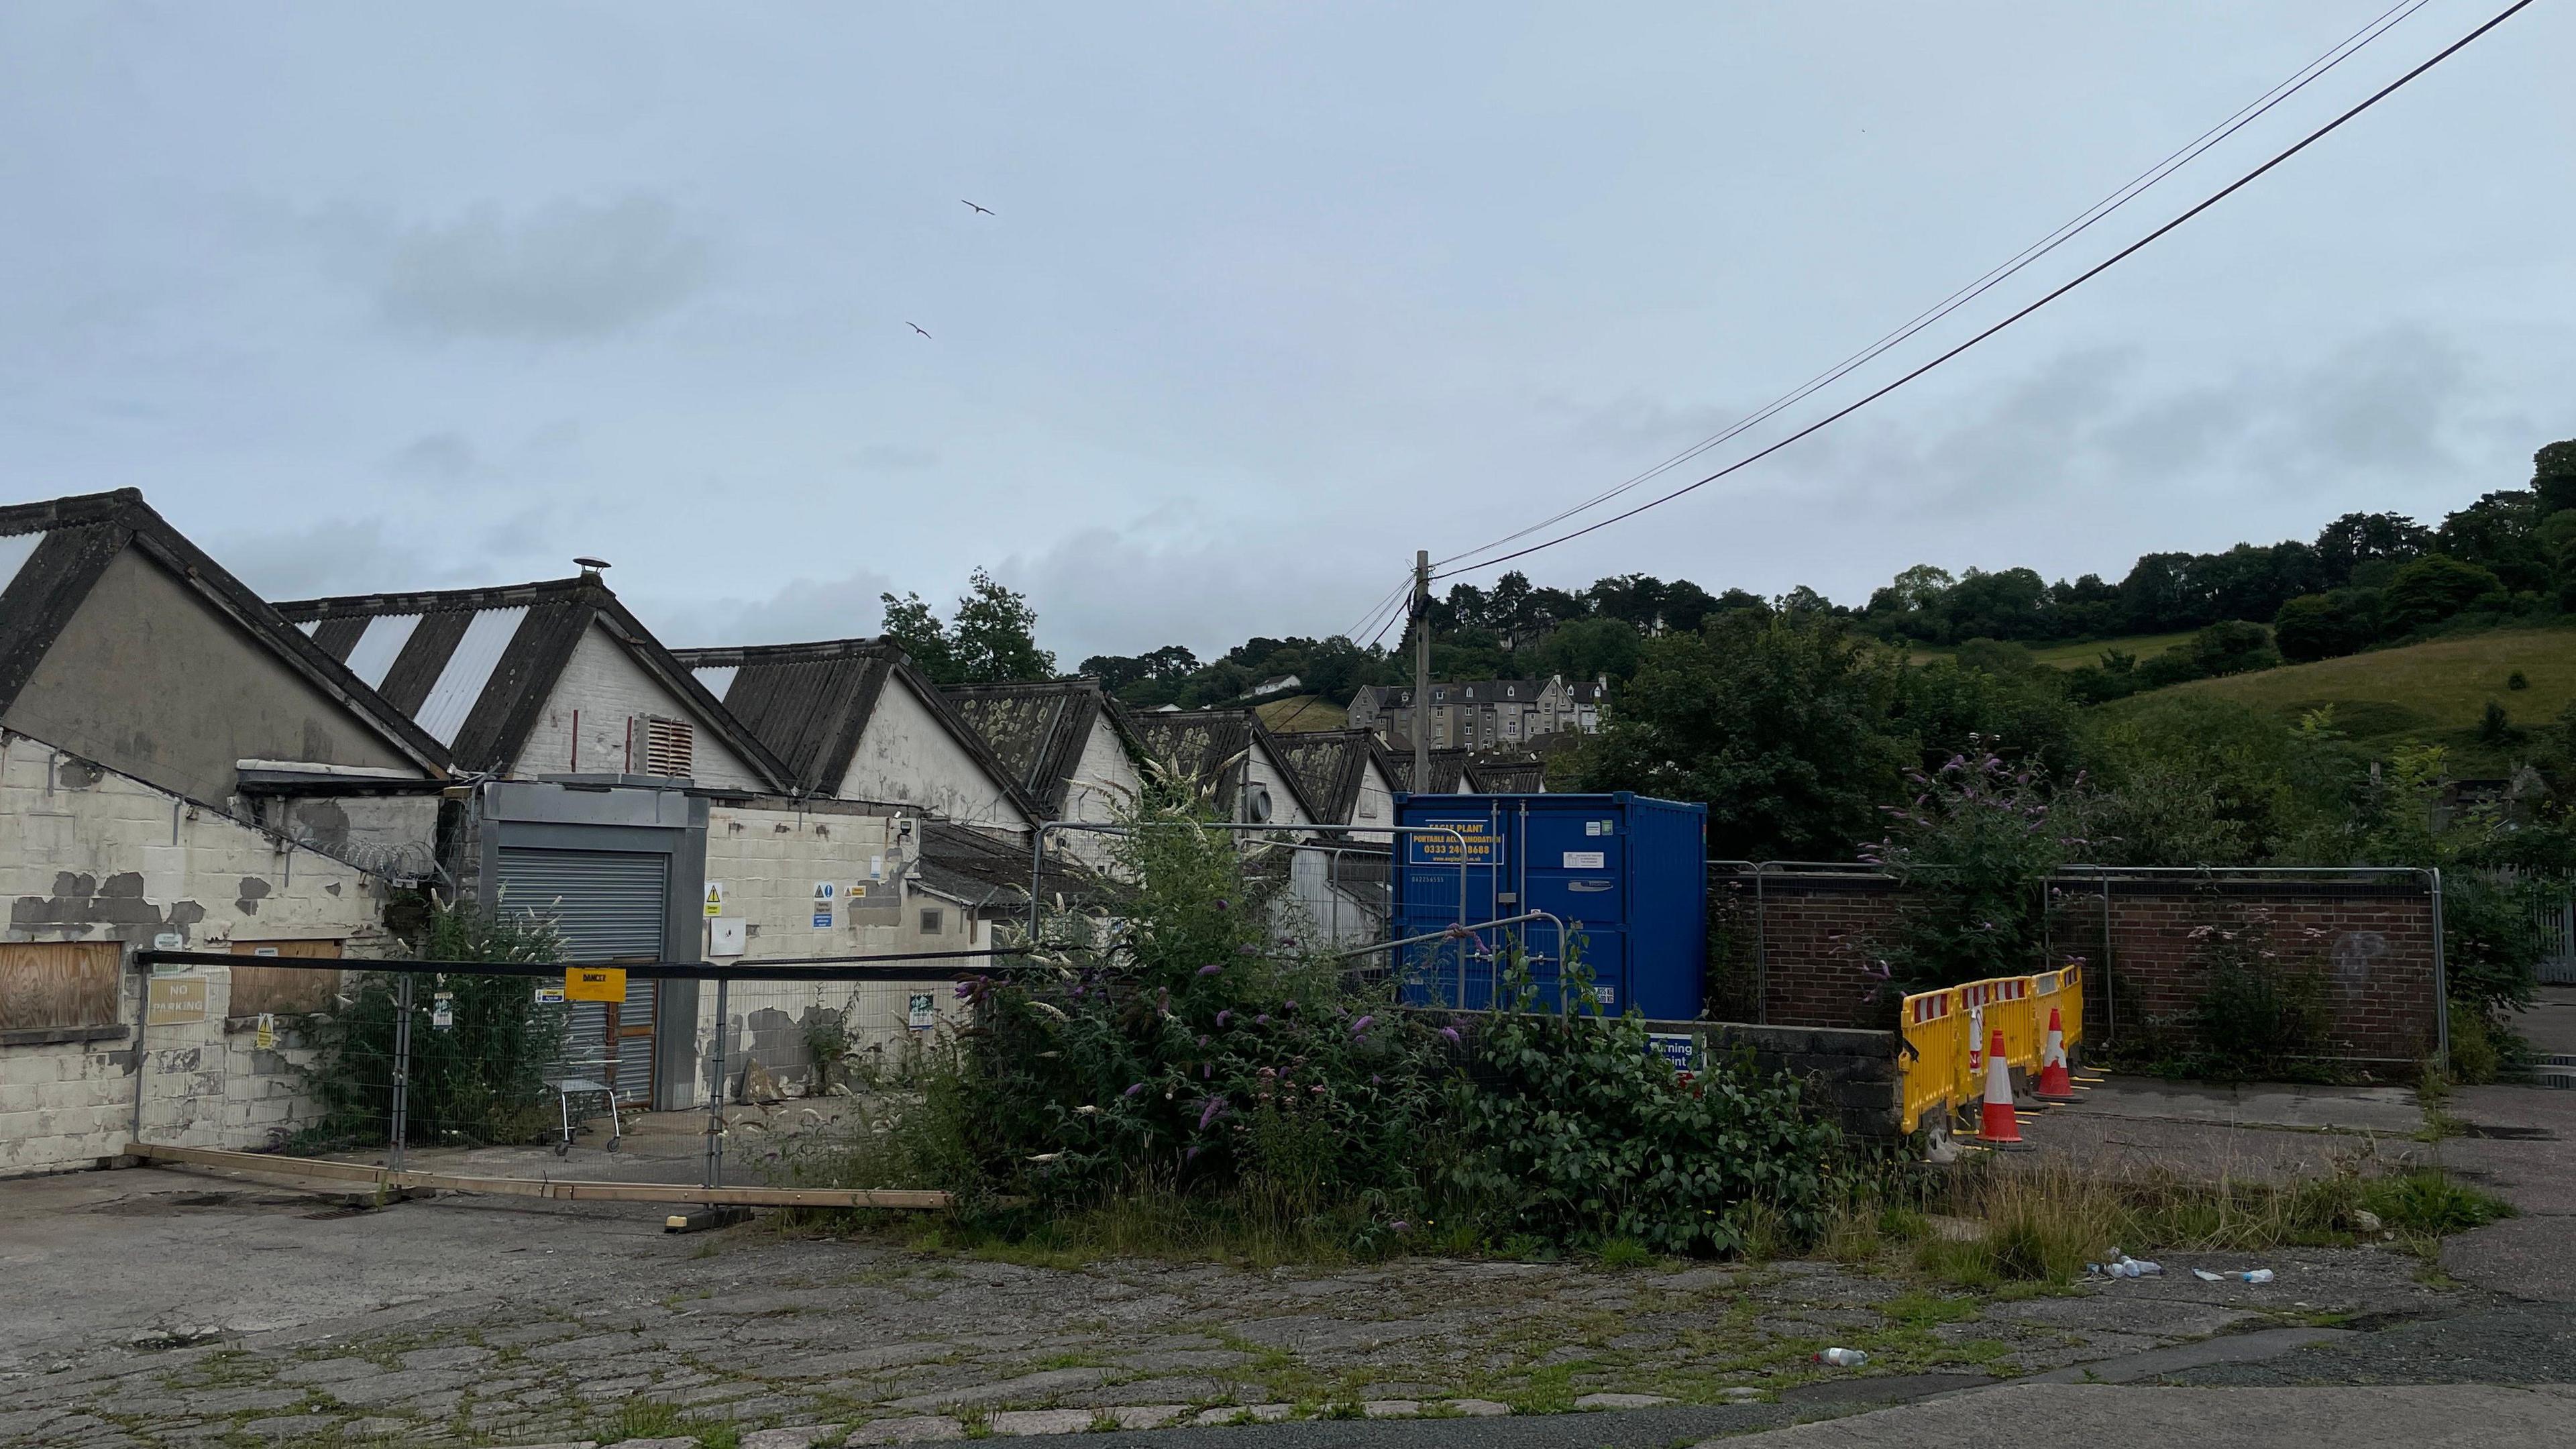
(610, 905)
(2557, 921)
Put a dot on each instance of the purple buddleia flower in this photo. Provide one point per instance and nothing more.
(1451, 1032)
(1222, 1018)
(1361, 1025)
(1209, 1112)
(1210, 969)
(1132, 1091)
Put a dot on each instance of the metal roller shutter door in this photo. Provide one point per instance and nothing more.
(608, 904)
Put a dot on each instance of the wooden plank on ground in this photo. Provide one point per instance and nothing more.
(902, 1199)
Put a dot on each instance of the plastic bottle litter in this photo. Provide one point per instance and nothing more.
(2250, 1275)
(2124, 1266)
(1842, 1357)
(2206, 1276)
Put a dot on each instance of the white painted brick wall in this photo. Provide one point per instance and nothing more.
(769, 875)
(67, 1105)
(607, 687)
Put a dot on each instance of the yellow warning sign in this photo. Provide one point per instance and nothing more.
(594, 983)
(715, 897)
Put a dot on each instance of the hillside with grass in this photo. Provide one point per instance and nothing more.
(1303, 712)
(2435, 692)
(2076, 654)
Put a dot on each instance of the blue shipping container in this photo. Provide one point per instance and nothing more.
(1625, 873)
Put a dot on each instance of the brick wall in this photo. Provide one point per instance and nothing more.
(1810, 940)
(2365, 948)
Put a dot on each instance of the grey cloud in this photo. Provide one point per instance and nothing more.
(569, 271)
(841, 608)
(336, 556)
(440, 456)
(1099, 591)
(885, 458)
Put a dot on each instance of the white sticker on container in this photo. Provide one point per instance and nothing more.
(1585, 860)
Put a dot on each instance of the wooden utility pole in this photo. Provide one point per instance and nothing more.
(1422, 671)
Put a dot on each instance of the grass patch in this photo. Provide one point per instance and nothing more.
(2427, 1203)
(1547, 1390)
(1626, 1253)
(2434, 691)
(2074, 655)
(652, 1419)
(2042, 1223)
(1303, 712)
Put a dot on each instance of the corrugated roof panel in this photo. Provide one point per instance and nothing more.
(380, 646)
(716, 677)
(14, 552)
(461, 683)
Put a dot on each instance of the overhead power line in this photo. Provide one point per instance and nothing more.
(2080, 279)
(2067, 231)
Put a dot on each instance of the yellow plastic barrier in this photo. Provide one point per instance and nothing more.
(1949, 1030)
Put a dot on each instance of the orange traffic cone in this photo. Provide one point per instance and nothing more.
(2056, 1084)
(1999, 1127)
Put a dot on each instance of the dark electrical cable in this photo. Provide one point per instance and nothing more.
(2083, 221)
(2080, 279)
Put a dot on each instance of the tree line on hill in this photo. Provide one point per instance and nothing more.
(2366, 578)
(1814, 731)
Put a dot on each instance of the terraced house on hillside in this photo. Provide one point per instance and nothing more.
(1482, 714)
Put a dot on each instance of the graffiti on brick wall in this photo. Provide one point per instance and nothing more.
(2351, 959)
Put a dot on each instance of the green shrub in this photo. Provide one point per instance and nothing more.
(2475, 1057)
(1576, 1133)
(480, 1080)
(1972, 849)
(2257, 1020)
(1186, 1050)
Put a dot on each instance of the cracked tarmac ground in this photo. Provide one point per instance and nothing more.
(149, 1307)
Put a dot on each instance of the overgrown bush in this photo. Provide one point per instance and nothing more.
(1183, 1048)
(1972, 851)
(1576, 1133)
(1180, 1075)
(477, 1081)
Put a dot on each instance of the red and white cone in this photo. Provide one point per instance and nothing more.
(2056, 1084)
(1999, 1127)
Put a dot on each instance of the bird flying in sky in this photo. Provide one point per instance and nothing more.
(986, 210)
(915, 326)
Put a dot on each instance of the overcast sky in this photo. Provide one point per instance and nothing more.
(371, 297)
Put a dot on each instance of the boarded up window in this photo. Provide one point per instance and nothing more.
(284, 990)
(931, 922)
(58, 984)
(670, 748)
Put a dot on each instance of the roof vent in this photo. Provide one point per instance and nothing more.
(590, 567)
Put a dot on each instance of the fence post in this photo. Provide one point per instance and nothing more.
(715, 1092)
(402, 1070)
(142, 1019)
